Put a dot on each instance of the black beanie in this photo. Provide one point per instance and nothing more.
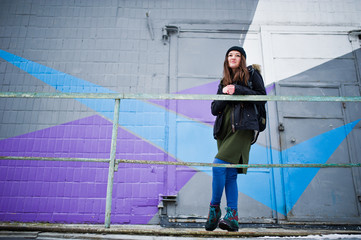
(239, 49)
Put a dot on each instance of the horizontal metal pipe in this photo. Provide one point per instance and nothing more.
(308, 165)
(144, 96)
(54, 159)
(295, 165)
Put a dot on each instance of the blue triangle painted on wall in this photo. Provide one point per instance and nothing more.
(315, 150)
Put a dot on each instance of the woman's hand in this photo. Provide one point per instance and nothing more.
(229, 89)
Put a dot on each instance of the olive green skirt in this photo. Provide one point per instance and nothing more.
(233, 147)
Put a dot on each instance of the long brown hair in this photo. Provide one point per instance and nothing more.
(241, 73)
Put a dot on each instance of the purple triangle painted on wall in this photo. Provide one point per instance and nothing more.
(53, 183)
(201, 109)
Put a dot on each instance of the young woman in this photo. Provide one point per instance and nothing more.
(234, 130)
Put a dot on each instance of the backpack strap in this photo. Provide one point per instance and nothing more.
(250, 80)
(250, 85)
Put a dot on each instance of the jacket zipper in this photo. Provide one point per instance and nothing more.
(232, 120)
(240, 114)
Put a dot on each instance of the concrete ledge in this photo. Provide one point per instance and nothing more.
(156, 230)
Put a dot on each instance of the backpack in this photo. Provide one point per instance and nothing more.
(260, 109)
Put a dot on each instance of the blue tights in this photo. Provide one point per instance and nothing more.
(224, 178)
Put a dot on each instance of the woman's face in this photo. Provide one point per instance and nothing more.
(234, 59)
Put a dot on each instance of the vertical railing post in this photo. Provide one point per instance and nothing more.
(108, 207)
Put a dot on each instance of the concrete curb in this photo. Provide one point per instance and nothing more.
(156, 230)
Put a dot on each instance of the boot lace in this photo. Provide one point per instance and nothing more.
(230, 213)
(212, 213)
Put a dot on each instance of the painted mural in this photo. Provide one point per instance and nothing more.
(74, 192)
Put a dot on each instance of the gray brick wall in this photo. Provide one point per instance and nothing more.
(107, 43)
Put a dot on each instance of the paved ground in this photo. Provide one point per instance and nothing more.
(58, 236)
(17, 231)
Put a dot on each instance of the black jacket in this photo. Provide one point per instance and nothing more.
(243, 114)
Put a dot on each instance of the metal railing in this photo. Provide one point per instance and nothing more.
(113, 162)
(180, 97)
